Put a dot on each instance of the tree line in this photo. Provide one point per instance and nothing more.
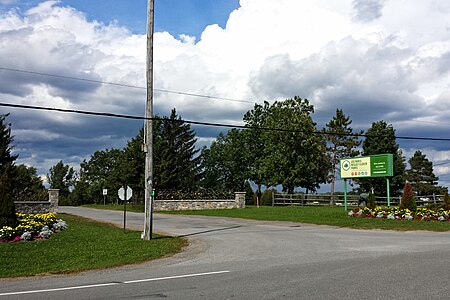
(280, 146)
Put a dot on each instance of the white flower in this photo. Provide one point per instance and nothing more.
(26, 236)
(60, 225)
(391, 217)
(359, 213)
(350, 214)
(441, 218)
(45, 232)
(408, 217)
(380, 215)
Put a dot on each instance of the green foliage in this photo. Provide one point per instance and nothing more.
(7, 210)
(176, 164)
(421, 175)
(249, 194)
(341, 142)
(27, 186)
(380, 139)
(61, 177)
(446, 204)
(266, 198)
(371, 203)
(408, 201)
(225, 164)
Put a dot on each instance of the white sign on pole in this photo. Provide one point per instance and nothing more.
(121, 193)
(105, 192)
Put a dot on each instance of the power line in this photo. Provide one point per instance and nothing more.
(124, 85)
(123, 116)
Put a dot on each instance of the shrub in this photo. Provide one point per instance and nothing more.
(371, 201)
(446, 201)
(7, 210)
(408, 200)
(266, 197)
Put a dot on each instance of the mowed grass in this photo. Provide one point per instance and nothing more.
(321, 215)
(130, 207)
(85, 245)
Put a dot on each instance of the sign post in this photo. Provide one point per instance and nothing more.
(381, 165)
(125, 195)
(105, 192)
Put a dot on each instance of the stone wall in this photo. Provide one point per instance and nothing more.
(167, 205)
(39, 207)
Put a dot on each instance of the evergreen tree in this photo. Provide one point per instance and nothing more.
(7, 210)
(421, 174)
(380, 139)
(408, 201)
(176, 163)
(341, 143)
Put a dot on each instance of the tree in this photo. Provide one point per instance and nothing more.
(421, 174)
(7, 210)
(380, 139)
(225, 163)
(61, 177)
(255, 145)
(26, 185)
(101, 171)
(341, 143)
(295, 154)
(176, 163)
(408, 200)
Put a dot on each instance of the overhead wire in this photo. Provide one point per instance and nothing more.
(104, 114)
(124, 85)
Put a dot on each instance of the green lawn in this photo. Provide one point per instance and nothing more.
(321, 215)
(84, 245)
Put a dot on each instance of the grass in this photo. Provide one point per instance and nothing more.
(321, 215)
(85, 245)
(130, 207)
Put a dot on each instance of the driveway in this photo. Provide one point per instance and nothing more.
(245, 259)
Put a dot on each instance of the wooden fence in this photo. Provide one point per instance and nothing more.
(282, 199)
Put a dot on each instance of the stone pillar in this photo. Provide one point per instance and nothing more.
(53, 198)
(239, 197)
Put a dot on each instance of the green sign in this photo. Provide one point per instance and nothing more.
(367, 166)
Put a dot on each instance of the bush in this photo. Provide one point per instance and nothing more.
(249, 194)
(266, 197)
(446, 201)
(371, 201)
(408, 201)
(7, 210)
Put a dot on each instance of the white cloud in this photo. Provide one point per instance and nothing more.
(392, 63)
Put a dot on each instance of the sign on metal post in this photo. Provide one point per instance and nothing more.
(125, 194)
(381, 165)
(122, 195)
(367, 166)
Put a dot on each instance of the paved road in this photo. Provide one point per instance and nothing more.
(243, 259)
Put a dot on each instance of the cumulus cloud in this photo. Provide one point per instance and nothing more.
(392, 64)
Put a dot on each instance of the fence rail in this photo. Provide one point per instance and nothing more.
(283, 199)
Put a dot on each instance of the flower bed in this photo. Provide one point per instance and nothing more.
(31, 227)
(395, 213)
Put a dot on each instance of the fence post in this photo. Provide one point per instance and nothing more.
(239, 197)
(273, 199)
(303, 198)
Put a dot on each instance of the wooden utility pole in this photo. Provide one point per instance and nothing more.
(148, 220)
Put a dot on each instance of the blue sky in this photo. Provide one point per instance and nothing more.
(374, 59)
(175, 16)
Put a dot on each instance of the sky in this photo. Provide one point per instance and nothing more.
(375, 59)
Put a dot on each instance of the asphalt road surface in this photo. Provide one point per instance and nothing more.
(243, 259)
